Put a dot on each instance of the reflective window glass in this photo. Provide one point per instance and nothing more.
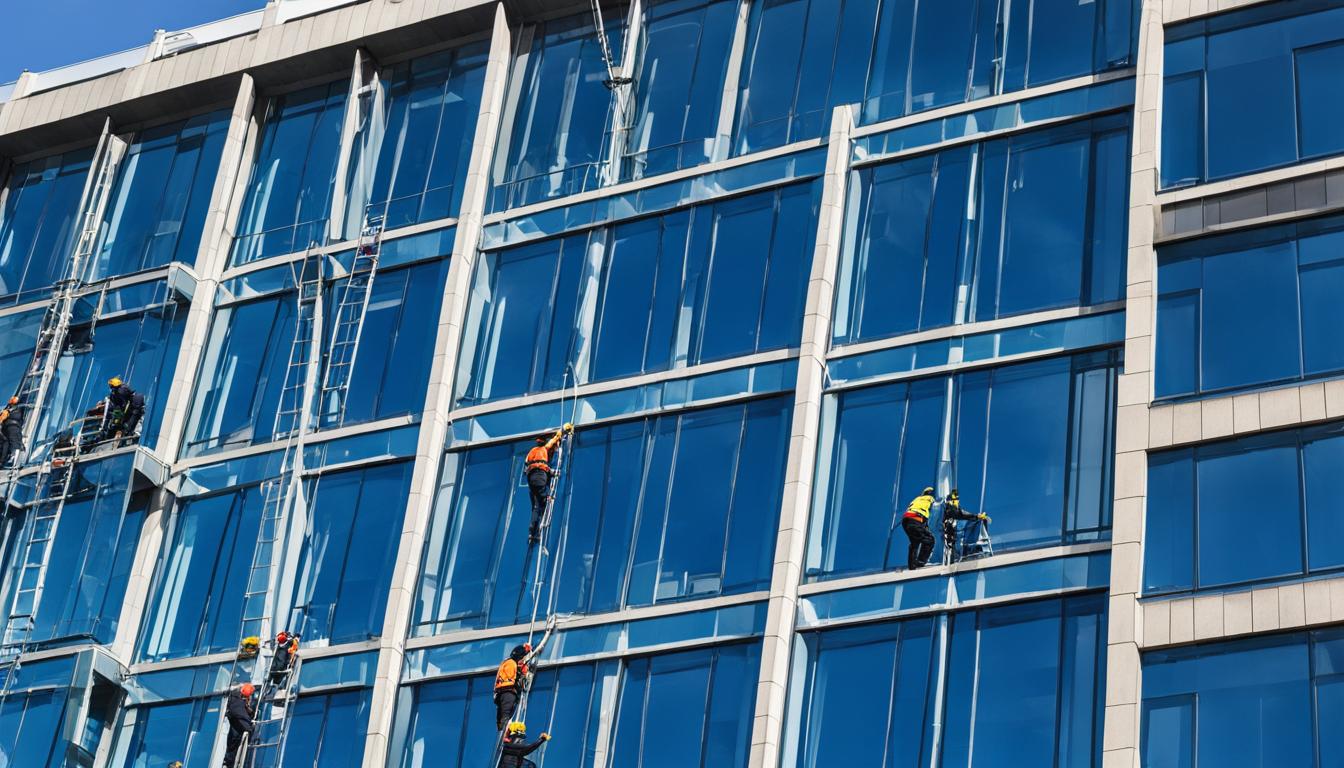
(417, 142)
(1270, 289)
(38, 222)
(157, 735)
(634, 510)
(678, 88)
(249, 346)
(555, 129)
(1214, 510)
(1024, 683)
(712, 282)
(978, 232)
(1028, 444)
(327, 731)
(31, 728)
(1245, 703)
(1251, 90)
(157, 209)
(288, 200)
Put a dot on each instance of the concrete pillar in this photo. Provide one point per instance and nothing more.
(767, 730)
(217, 236)
(1125, 624)
(438, 400)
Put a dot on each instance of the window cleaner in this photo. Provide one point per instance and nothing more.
(539, 474)
(516, 749)
(510, 680)
(915, 523)
(970, 536)
(11, 431)
(125, 407)
(286, 651)
(239, 712)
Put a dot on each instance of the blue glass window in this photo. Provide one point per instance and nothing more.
(1272, 290)
(1028, 444)
(1262, 702)
(708, 283)
(157, 209)
(91, 554)
(340, 581)
(898, 57)
(30, 728)
(163, 733)
(1023, 686)
(288, 200)
(327, 731)
(678, 88)
(1251, 90)
(418, 156)
(249, 348)
(1215, 502)
(1048, 230)
(557, 125)
(39, 222)
(140, 349)
(690, 708)
(635, 509)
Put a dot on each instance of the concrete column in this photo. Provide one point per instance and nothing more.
(210, 261)
(1125, 625)
(767, 730)
(438, 400)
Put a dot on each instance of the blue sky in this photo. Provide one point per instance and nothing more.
(49, 33)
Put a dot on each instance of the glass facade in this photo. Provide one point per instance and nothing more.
(1252, 90)
(1272, 289)
(1260, 702)
(770, 329)
(1024, 685)
(1030, 444)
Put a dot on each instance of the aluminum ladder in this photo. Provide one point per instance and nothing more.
(352, 308)
(291, 425)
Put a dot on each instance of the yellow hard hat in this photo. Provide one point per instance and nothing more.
(517, 729)
(115, 381)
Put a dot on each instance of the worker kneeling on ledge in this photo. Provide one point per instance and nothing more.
(515, 749)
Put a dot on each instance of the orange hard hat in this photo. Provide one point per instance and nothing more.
(13, 400)
(246, 690)
(282, 638)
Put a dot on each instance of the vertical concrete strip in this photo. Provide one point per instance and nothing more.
(217, 235)
(1125, 624)
(772, 687)
(438, 401)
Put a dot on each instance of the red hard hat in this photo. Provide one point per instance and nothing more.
(246, 690)
(527, 647)
(282, 638)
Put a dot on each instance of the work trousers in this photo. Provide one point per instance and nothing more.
(11, 441)
(538, 483)
(506, 702)
(231, 746)
(921, 542)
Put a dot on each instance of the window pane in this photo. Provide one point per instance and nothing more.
(1168, 538)
(1319, 98)
(1182, 130)
(1236, 541)
(1321, 282)
(38, 221)
(157, 206)
(1250, 302)
(288, 199)
(555, 134)
(1321, 460)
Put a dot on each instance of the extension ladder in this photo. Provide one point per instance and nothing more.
(352, 307)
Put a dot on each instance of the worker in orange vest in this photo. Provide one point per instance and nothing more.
(537, 468)
(509, 681)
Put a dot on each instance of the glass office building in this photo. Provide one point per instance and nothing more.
(783, 263)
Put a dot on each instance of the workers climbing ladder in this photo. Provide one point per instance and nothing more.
(52, 485)
(539, 558)
(283, 511)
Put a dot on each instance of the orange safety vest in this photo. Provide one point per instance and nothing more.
(509, 676)
(538, 458)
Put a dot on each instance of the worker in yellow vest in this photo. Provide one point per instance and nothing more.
(915, 523)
